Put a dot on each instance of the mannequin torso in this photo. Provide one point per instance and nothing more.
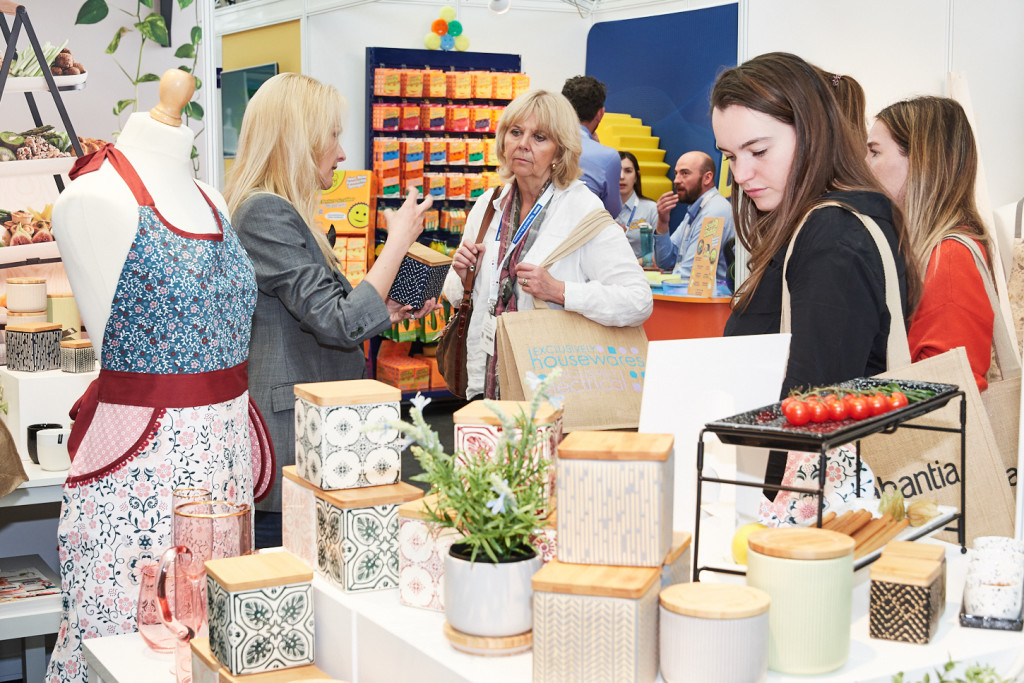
(96, 217)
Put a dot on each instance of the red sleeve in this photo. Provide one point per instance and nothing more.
(954, 310)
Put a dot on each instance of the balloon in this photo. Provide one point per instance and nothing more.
(461, 43)
(432, 41)
(447, 42)
(454, 29)
(447, 12)
(440, 27)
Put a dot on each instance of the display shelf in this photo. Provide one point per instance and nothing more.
(767, 428)
(38, 83)
(29, 254)
(57, 166)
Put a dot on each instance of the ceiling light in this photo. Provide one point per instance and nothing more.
(499, 6)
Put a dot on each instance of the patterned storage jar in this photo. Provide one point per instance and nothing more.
(713, 632)
(808, 573)
(615, 498)
(923, 551)
(205, 667)
(260, 612)
(593, 624)
(298, 520)
(33, 347)
(77, 355)
(676, 568)
(302, 673)
(905, 599)
(357, 535)
(342, 440)
(477, 428)
(421, 276)
(422, 546)
(545, 539)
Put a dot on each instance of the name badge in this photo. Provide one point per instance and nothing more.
(487, 333)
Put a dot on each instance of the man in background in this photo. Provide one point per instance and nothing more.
(600, 164)
(694, 184)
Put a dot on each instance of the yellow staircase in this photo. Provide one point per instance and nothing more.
(628, 134)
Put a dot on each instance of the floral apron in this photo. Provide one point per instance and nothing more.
(169, 410)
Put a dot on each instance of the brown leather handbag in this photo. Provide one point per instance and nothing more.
(451, 345)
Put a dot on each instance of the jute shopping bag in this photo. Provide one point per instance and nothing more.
(12, 472)
(924, 463)
(602, 367)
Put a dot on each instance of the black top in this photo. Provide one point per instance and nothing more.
(840, 322)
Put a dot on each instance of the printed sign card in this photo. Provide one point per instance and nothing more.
(705, 262)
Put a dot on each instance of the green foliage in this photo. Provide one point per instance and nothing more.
(496, 503)
(92, 12)
(975, 673)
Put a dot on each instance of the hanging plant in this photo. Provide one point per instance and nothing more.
(151, 28)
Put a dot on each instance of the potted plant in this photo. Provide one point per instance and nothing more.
(497, 503)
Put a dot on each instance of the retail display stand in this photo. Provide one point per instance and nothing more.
(766, 428)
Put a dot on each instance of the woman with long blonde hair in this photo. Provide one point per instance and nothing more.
(923, 152)
(310, 322)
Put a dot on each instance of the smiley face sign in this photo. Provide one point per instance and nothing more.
(359, 215)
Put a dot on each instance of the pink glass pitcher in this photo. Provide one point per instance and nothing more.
(203, 531)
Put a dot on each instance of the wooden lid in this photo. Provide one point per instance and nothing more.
(909, 571)
(680, 542)
(299, 673)
(417, 508)
(59, 295)
(715, 600)
(477, 412)
(424, 254)
(625, 446)
(800, 543)
(249, 572)
(23, 314)
(391, 494)
(593, 579)
(75, 344)
(26, 280)
(351, 392)
(921, 551)
(33, 327)
(201, 648)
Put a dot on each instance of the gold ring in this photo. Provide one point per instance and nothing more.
(525, 282)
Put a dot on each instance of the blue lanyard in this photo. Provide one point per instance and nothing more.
(520, 233)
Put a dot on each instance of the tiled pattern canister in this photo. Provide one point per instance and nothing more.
(923, 551)
(808, 574)
(260, 612)
(303, 673)
(615, 498)
(422, 546)
(33, 347)
(342, 440)
(676, 568)
(357, 535)
(713, 632)
(545, 539)
(26, 294)
(595, 624)
(298, 516)
(477, 427)
(77, 355)
(420, 276)
(205, 667)
(904, 603)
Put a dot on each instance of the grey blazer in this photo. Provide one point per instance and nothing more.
(309, 322)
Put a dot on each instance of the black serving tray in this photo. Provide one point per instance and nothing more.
(767, 428)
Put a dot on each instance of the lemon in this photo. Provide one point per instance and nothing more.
(739, 541)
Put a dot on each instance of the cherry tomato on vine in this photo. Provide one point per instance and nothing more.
(858, 407)
(819, 411)
(786, 401)
(878, 404)
(837, 410)
(797, 413)
(848, 399)
(898, 399)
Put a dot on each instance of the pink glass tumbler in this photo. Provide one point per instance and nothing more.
(202, 531)
(158, 637)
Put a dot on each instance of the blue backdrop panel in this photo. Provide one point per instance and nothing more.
(661, 69)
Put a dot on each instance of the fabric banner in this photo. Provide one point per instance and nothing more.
(927, 464)
(602, 367)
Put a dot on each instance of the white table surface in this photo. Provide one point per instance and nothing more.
(372, 638)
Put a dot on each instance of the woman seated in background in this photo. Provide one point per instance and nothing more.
(922, 151)
(636, 208)
(541, 204)
(310, 322)
(790, 150)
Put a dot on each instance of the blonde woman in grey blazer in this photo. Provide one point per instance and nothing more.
(310, 322)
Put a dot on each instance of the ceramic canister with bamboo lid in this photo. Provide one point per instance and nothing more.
(700, 627)
(26, 294)
(808, 573)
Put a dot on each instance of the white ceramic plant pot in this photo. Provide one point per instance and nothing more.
(486, 599)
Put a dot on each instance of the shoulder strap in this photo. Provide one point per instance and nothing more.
(587, 229)
(897, 349)
(1006, 356)
(467, 293)
(92, 162)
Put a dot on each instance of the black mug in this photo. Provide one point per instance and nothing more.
(32, 431)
